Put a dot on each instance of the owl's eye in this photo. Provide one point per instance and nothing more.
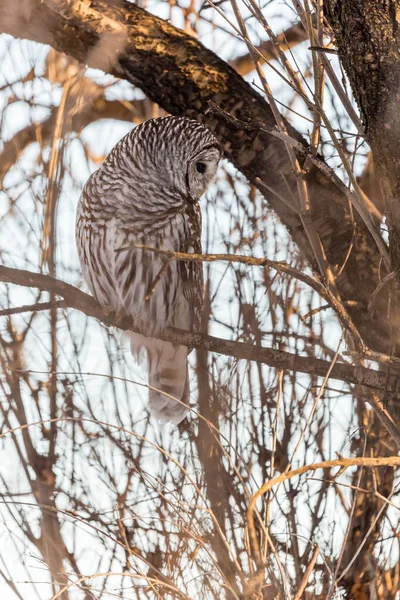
(201, 167)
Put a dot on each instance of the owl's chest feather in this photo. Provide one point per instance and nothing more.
(152, 288)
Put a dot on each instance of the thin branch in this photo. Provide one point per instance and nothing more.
(281, 267)
(307, 574)
(39, 306)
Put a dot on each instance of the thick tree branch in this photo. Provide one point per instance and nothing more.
(177, 72)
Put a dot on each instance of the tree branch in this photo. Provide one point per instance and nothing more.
(367, 36)
(94, 109)
(39, 306)
(279, 359)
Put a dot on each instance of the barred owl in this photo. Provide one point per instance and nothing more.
(147, 192)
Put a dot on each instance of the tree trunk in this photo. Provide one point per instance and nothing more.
(367, 41)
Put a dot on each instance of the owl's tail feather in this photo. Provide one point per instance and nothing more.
(168, 375)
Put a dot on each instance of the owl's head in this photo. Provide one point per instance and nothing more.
(201, 169)
(174, 157)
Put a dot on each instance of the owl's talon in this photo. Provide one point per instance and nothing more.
(120, 316)
(117, 316)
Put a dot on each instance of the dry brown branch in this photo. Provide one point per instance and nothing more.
(280, 359)
(280, 267)
(307, 574)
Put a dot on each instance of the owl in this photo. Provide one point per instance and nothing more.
(146, 193)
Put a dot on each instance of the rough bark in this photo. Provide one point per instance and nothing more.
(367, 34)
(367, 41)
(177, 72)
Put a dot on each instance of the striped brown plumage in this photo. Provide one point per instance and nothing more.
(147, 192)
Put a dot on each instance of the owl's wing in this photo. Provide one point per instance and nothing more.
(95, 247)
(128, 270)
(146, 293)
(153, 296)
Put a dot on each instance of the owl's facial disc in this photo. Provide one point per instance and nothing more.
(202, 168)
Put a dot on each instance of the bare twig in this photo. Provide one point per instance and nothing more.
(389, 461)
(307, 574)
(39, 306)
